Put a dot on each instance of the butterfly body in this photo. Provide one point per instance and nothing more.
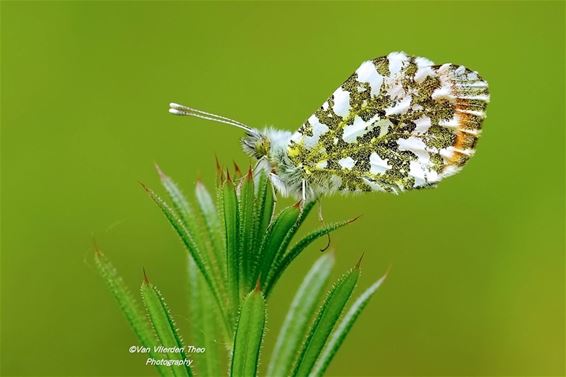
(270, 148)
(398, 123)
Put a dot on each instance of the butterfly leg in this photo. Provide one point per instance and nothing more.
(259, 166)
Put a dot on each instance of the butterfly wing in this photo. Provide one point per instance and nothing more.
(398, 123)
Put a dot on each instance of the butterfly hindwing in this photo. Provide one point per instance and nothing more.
(398, 123)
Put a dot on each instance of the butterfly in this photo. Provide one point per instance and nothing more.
(398, 123)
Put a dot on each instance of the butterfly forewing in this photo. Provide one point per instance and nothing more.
(398, 123)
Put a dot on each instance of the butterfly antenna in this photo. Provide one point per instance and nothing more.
(176, 109)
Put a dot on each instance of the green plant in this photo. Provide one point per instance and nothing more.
(238, 249)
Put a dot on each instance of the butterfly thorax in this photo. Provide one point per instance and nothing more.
(270, 148)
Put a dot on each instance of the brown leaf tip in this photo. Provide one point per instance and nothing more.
(354, 219)
(218, 166)
(237, 170)
(97, 251)
(145, 277)
(258, 285)
(359, 261)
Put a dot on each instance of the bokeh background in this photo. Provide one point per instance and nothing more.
(477, 265)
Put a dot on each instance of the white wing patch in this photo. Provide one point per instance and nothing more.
(378, 165)
(341, 102)
(422, 124)
(354, 130)
(424, 69)
(401, 107)
(367, 73)
(397, 61)
(347, 163)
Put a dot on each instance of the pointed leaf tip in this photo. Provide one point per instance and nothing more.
(145, 277)
(160, 172)
(95, 247)
(258, 285)
(354, 219)
(387, 271)
(198, 175)
(237, 169)
(219, 173)
(357, 266)
(218, 166)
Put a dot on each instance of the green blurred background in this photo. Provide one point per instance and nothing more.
(477, 266)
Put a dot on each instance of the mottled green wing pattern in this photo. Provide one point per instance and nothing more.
(398, 123)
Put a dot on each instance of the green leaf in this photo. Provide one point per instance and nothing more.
(180, 203)
(304, 212)
(279, 267)
(247, 239)
(265, 204)
(193, 249)
(164, 326)
(246, 214)
(214, 226)
(327, 317)
(231, 223)
(191, 221)
(276, 233)
(129, 307)
(204, 323)
(249, 336)
(343, 329)
(300, 314)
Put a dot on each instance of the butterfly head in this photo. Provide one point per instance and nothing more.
(256, 144)
(266, 144)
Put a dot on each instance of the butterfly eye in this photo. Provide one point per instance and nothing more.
(262, 146)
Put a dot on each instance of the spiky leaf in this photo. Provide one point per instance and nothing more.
(164, 327)
(231, 222)
(204, 323)
(300, 314)
(129, 306)
(324, 323)
(343, 329)
(279, 267)
(249, 336)
(271, 245)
